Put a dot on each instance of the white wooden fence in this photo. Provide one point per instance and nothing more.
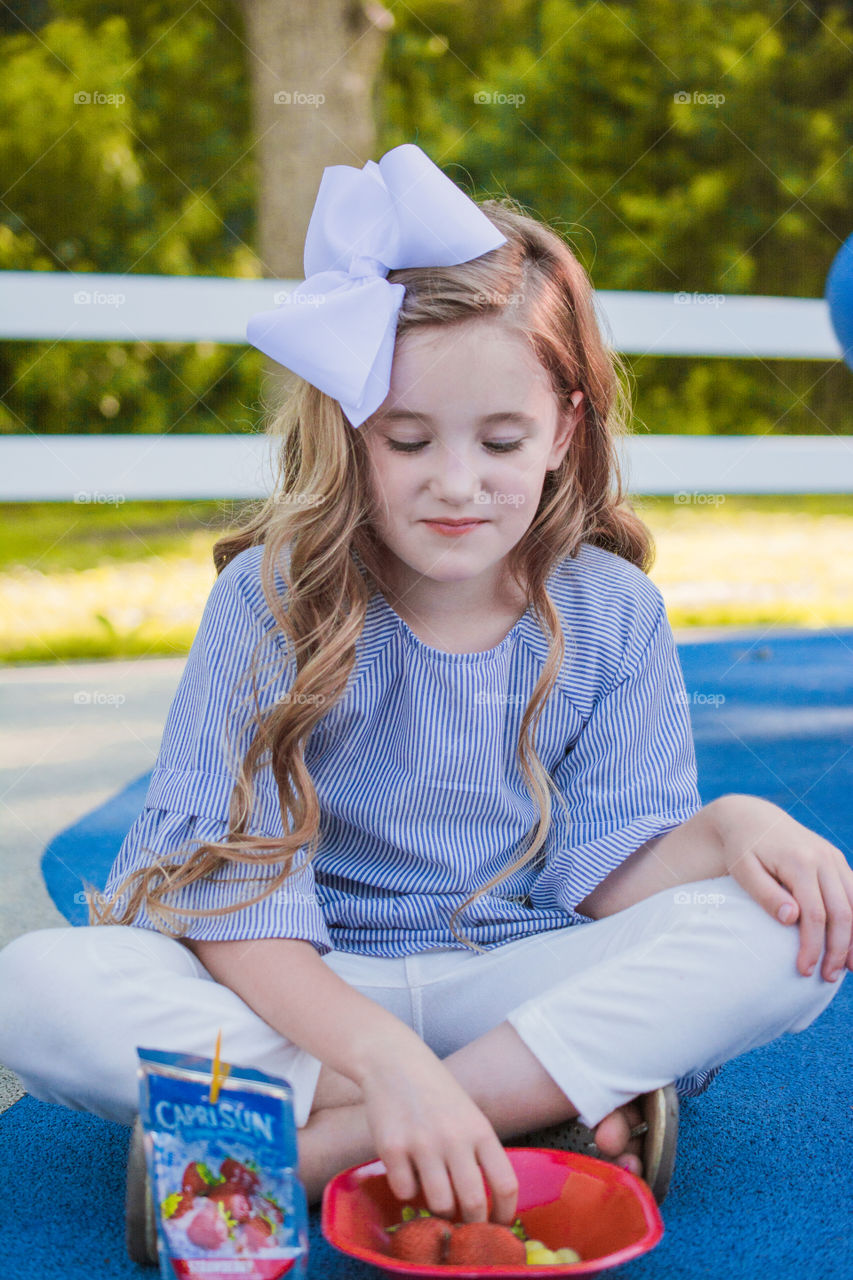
(69, 306)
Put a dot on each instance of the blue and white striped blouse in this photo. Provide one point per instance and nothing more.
(415, 768)
(420, 792)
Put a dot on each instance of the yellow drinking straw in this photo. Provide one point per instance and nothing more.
(220, 1070)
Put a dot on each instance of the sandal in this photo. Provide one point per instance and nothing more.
(660, 1124)
(140, 1224)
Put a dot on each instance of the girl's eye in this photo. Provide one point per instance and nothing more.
(499, 446)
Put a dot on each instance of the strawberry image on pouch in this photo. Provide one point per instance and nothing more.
(208, 1228)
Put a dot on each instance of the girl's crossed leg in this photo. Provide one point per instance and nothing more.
(574, 1021)
(583, 1020)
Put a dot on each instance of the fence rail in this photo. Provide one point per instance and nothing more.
(74, 307)
(122, 468)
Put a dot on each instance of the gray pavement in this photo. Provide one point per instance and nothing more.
(74, 735)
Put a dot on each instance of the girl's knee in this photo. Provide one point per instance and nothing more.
(27, 964)
(130, 948)
(763, 951)
(766, 937)
(23, 961)
(55, 965)
(734, 915)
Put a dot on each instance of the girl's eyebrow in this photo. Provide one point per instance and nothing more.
(516, 416)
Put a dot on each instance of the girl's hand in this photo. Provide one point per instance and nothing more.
(431, 1136)
(782, 864)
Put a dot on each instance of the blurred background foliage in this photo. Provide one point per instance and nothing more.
(751, 195)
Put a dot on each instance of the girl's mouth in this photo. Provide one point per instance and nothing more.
(453, 527)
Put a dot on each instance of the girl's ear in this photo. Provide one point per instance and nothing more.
(567, 422)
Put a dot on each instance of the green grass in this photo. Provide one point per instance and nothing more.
(57, 536)
(83, 581)
(809, 504)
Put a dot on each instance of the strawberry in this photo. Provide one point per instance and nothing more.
(233, 1201)
(197, 1179)
(485, 1244)
(270, 1209)
(181, 1204)
(257, 1233)
(421, 1240)
(208, 1228)
(242, 1177)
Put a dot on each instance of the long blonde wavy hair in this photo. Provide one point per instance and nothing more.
(318, 523)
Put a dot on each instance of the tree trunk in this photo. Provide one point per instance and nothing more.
(313, 65)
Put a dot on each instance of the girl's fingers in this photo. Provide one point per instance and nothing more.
(806, 888)
(845, 871)
(469, 1185)
(502, 1180)
(400, 1174)
(823, 910)
(801, 890)
(839, 920)
(435, 1183)
(765, 889)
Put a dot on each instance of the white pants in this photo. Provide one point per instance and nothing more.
(680, 982)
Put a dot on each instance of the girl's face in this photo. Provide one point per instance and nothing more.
(467, 431)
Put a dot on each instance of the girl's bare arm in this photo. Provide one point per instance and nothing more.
(426, 1128)
(691, 851)
(287, 984)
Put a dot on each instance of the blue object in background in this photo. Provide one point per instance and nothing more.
(839, 295)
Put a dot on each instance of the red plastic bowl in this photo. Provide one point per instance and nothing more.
(600, 1210)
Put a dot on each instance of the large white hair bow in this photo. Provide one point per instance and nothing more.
(337, 328)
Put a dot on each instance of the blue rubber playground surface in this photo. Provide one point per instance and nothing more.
(762, 1177)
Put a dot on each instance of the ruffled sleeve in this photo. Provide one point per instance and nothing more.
(188, 797)
(629, 776)
(292, 911)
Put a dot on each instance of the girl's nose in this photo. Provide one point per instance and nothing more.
(456, 478)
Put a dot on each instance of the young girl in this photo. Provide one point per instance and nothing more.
(441, 620)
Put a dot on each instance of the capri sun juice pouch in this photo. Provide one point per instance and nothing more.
(227, 1197)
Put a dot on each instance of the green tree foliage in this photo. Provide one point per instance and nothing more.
(159, 181)
(745, 186)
